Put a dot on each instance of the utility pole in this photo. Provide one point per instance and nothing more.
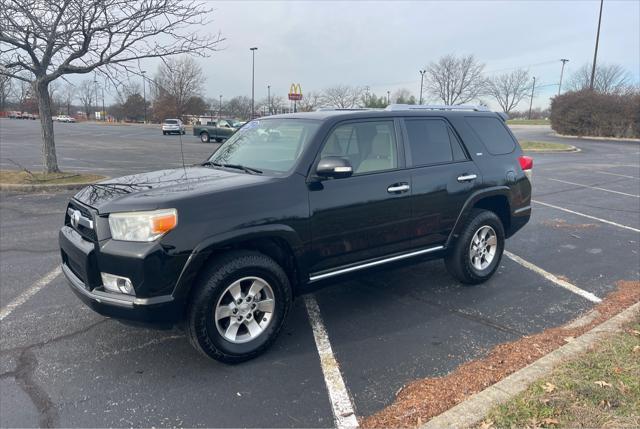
(220, 108)
(95, 85)
(533, 88)
(144, 96)
(104, 112)
(422, 72)
(253, 77)
(595, 54)
(269, 98)
(388, 97)
(564, 60)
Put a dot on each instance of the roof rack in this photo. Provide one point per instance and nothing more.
(327, 109)
(394, 107)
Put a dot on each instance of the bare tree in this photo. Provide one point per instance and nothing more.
(178, 80)
(42, 40)
(403, 96)
(342, 96)
(310, 102)
(238, 107)
(86, 95)
(6, 86)
(609, 79)
(455, 80)
(509, 89)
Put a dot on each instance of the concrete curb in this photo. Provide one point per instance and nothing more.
(571, 149)
(474, 409)
(6, 187)
(613, 139)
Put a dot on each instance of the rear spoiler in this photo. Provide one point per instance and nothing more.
(503, 116)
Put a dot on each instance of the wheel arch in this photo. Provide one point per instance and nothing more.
(495, 199)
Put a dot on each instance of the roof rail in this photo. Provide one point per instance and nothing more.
(327, 109)
(394, 107)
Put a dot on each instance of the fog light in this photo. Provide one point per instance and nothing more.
(118, 284)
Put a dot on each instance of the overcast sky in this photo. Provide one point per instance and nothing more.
(383, 44)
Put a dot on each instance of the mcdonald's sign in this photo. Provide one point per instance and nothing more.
(295, 92)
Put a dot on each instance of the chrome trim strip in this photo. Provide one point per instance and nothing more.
(373, 263)
(522, 209)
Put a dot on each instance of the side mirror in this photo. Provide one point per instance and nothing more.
(334, 167)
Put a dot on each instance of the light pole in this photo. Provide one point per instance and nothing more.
(269, 98)
(595, 54)
(95, 85)
(533, 88)
(104, 112)
(144, 95)
(220, 108)
(388, 97)
(253, 77)
(564, 60)
(422, 72)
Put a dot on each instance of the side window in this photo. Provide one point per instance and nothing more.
(369, 146)
(492, 133)
(456, 148)
(429, 141)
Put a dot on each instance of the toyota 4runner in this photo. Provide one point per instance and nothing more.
(222, 247)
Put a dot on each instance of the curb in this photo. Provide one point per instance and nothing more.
(6, 187)
(473, 410)
(613, 139)
(571, 149)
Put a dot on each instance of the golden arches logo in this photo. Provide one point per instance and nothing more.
(295, 91)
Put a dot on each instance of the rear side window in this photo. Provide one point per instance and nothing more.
(432, 142)
(493, 134)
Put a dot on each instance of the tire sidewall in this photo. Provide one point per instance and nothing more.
(204, 137)
(484, 218)
(204, 311)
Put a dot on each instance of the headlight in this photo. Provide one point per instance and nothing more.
(142, 226)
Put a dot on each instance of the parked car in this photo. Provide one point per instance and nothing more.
(291, 201)
(214, 130)
(172, 126)
(65, 118)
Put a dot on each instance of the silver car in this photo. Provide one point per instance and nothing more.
(172, 126)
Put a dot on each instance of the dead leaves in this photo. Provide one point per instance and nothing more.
(548, 387)
(534, 423)
(636, 349)
(603, 383)
(487, 424)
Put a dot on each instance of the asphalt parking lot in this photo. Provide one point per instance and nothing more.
(63, 365)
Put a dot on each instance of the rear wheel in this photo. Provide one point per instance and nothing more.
(218, 140)
(204, 137)
(239, 307)
(164, 133)
(477, 253)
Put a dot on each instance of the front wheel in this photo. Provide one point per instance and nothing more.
(476, 255)
(239, 307)
(204, 137)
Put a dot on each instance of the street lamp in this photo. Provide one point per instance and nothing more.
(144, 95)
(253, 76)
(595, 53)
(95, 85)
(564, 60)
(220, 108)
(269, 98)
(388, 97)
(422, 72)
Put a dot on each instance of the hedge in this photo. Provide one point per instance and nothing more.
(590, 113)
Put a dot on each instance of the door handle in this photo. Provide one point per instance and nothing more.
(466, 177)
(400, 187)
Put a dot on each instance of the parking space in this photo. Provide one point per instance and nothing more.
(62, 365)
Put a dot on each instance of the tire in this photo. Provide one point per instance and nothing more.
(164, 133)
(183, 132)
(465, 263)
(218, 140)
(213, 336)
(204, 137)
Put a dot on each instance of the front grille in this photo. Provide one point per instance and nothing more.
(86, 233)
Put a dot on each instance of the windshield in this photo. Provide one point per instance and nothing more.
(267, 144)
(170, 121)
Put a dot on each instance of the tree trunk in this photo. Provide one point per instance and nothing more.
(49, 158)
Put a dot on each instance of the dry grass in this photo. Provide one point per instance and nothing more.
(23, 177)
(538, 146)
(599, 389)
(426, 398)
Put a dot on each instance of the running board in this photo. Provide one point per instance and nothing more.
(315, 278)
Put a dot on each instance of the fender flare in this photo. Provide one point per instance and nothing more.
(470, 202)
(207, 246)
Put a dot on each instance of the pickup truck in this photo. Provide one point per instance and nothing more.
(214, 130)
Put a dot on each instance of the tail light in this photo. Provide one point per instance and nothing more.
(526, 163)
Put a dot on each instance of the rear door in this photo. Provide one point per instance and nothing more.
(442, 176)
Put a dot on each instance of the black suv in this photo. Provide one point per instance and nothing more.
(290, 200)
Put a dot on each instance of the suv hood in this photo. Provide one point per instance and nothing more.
(155, 189)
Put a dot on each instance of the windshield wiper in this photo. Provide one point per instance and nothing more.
(244, 168)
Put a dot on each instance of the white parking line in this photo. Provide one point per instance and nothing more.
(619, 175)
(343, 410)
(595, 187)
(547, 275)
(587, 216)
(32, 290)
